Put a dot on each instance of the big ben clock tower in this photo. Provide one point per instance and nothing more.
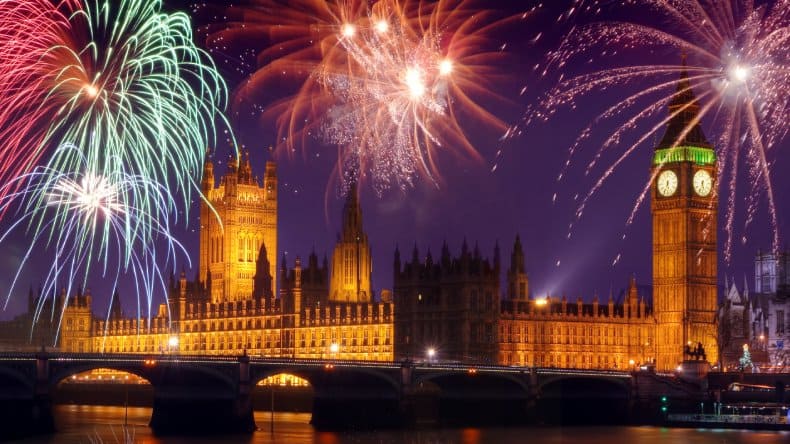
(685, 210)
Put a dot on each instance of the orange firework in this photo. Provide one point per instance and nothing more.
(382, 82)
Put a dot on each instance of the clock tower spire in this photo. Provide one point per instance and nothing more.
(685, 210)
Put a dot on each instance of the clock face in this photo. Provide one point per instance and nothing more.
(667, 183)
(702, 182)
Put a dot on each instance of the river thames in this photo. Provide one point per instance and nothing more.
(103, 424)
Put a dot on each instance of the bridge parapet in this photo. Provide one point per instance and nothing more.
(193, 391)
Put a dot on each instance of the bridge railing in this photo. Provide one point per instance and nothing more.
(422, 365)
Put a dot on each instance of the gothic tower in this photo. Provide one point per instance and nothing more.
(238, 219)
(685, 209)
(351, 261)
(517, 280)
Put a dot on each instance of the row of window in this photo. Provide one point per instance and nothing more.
(586, 335)
(198, 344)
(249, 246)
(567, 360)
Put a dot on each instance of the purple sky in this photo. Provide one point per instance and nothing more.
(476, 203)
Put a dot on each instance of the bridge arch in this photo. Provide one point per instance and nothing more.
(583, 399)
(16, 380)
(471, 397)
(618, 383)
(343, 396)
(321, 376)
(148, 369)
(503, 381)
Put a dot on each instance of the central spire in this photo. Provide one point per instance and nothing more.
(352, 215)
(351, 261)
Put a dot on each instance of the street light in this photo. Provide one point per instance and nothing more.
(431, 353)
(333, 349)
(172, 344)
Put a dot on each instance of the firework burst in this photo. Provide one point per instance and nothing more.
(94, 215)
(119, 79)
(736, 63)
(382, 82)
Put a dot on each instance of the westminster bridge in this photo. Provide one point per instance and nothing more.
(202, 393)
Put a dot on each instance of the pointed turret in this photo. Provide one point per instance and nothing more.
(233, 164)
(352, 216)
(31, 302)
(352, 259)
(231, 178)
(428, 260)
(518, 282)
(245, 170)
(262, 283)
(283, 269)
(208, 286)
(683, 128)
(446, 258)
(497, 262)
(312, 260)
(632, 295)
(396, 263)
(517, 257)
(270, 181)
(207, 182)
(115, 306)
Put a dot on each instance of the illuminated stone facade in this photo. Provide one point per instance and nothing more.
(550, 332)
(231, 308)
(240, 220)
(451, 307)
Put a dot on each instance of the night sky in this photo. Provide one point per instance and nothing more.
(475, 201)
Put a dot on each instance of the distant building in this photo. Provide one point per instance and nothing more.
(735, 326)
(761, 318)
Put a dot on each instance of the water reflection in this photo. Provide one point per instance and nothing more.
(82, 424)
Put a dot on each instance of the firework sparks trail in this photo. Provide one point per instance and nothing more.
(384, 83)
(28, 29)
(90, 217)
(119, 79)
(737, 64)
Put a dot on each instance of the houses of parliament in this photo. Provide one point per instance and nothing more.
(244, 301)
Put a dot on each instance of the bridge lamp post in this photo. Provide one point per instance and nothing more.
(334, 348)
(172, 344)
(431, 353)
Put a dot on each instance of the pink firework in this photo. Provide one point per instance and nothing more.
(737, 64)
(31, 31)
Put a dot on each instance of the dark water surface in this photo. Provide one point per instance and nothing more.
(101, 424)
